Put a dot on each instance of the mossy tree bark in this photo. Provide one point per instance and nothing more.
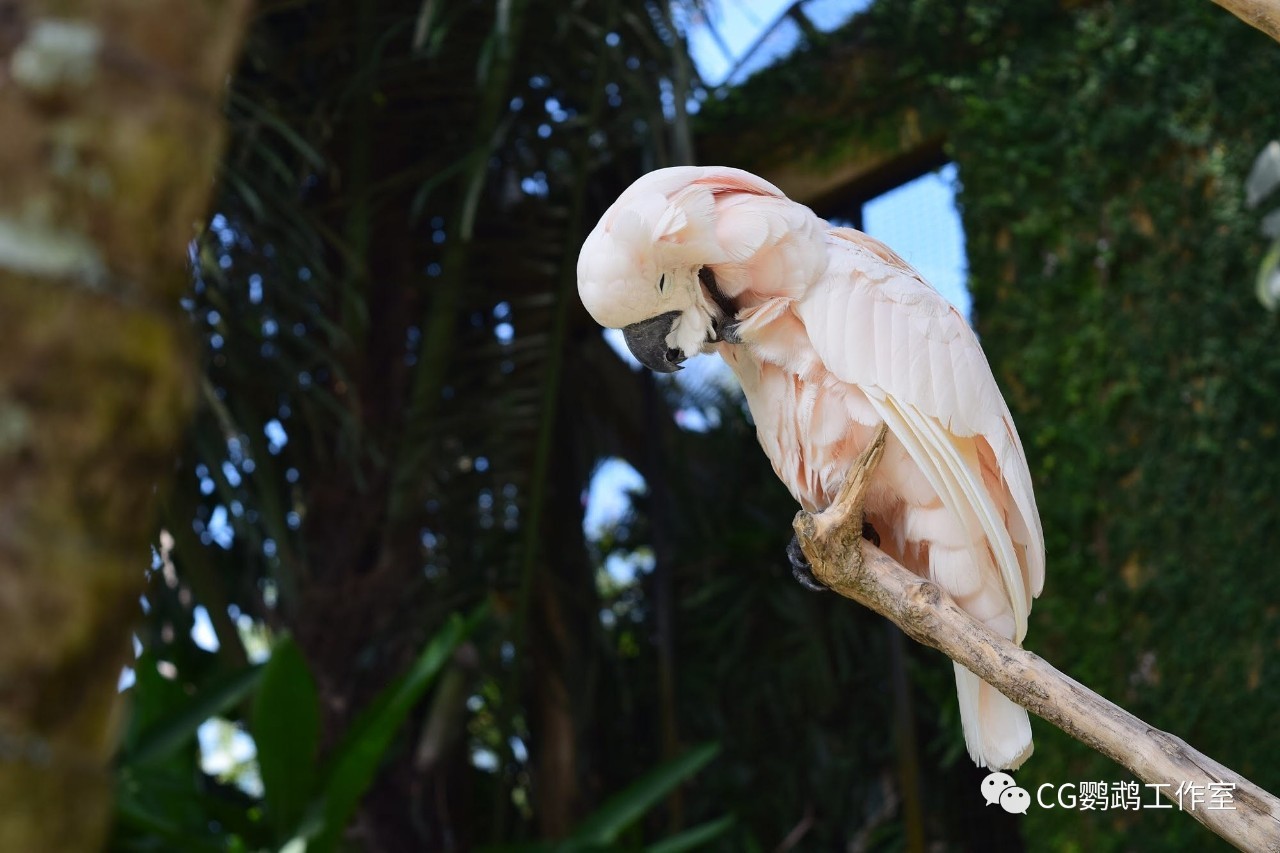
(112, 132)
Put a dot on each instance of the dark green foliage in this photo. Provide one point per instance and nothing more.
(164, 798)
(605, 826)
(1112, 270)
(402, 404)
(286, 729)
(163, 801)
(358, 757)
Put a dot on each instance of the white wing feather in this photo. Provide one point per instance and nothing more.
(875, 323)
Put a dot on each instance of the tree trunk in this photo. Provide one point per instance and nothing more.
(112, 130)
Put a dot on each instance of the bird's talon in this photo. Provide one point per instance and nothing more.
(869, 533)
(800, 568)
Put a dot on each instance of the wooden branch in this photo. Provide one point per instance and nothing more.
(856, 569)
(1262, 14)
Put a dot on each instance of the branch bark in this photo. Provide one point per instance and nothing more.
(1262, 14)
(841, 559)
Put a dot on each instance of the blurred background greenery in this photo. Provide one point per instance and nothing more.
(396, 605)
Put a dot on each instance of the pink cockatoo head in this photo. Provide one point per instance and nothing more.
(639, 268)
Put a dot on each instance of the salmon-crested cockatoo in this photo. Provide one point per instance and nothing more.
(831, 335)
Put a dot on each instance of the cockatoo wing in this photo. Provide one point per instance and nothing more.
(875, 323)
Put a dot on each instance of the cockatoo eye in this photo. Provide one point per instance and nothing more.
(662, 283)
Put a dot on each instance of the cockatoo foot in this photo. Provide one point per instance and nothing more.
(800, 568)
(803, 572)
(729, 333)
(869, 533)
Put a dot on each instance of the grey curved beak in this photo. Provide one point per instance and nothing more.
(647, 341)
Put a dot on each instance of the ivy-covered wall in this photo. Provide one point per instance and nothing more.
(1102, 149)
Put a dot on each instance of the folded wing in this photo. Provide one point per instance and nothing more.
(875, 323)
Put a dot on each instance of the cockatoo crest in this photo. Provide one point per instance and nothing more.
(638, 269)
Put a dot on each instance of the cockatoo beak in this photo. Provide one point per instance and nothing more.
(647, 341)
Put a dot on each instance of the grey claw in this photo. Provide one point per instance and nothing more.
(800, 568)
